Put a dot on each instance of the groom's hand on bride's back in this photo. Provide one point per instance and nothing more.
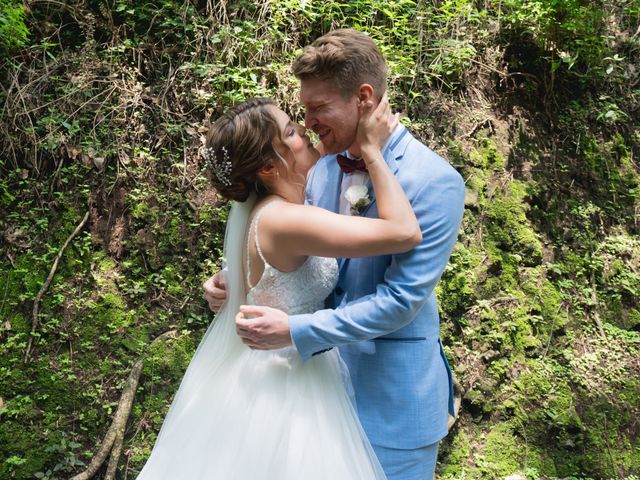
(215, 291)
(263, 328)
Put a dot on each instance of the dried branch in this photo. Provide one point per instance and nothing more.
(113, 439)
(43, 290)
(114, 458)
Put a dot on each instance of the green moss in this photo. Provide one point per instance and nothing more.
(457, 287)
(487, 157)
(106, 265)
(508, 226)
(111, 311)
(20, 458)
(617, 261)
(493, 454)
(142, 204)
(542, 394)
(632, 318)
(606, 450)
(615, 179)
(171, 357)
(455, 463)
(25, 279)
(582, 406)
(172, 231)
(502, 453)
(545, 300)
(505, 453)
(109, 307)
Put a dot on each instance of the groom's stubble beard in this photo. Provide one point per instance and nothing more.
(348, 144)
(340, 142)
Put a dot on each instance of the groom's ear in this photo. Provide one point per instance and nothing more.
(365, 94)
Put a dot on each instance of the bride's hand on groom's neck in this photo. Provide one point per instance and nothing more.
(375, 126)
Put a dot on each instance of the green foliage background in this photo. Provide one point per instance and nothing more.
(103, 109)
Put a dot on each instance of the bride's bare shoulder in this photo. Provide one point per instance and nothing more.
(285, 215)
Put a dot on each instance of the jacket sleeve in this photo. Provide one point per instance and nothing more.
(408, 282)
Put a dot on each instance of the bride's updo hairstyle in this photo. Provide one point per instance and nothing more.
(238, 145)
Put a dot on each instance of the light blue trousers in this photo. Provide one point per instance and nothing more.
(417, 464)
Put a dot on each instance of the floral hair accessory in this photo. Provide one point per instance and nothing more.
(221, 166)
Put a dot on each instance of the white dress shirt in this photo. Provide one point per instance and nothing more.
(348, 179)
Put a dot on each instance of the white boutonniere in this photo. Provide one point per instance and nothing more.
(358, 197)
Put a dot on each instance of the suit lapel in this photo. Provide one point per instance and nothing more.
(323, 187)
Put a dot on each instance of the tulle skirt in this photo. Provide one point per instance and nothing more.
(252, 415)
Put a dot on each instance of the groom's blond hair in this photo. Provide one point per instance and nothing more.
(346, 58)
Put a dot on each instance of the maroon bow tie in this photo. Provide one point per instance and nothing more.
(350, 165)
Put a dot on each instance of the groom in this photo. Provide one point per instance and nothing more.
(383, 313)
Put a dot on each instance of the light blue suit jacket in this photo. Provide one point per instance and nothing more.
(385, 318)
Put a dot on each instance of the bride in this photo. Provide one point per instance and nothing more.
(249, 414)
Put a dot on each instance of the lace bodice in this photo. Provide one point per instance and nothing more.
(300, 291)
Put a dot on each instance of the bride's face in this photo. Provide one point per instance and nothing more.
(294, 145)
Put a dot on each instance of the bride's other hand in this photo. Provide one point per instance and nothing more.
(376, 124)
(215, 291)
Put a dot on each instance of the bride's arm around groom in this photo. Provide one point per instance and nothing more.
(377, 296)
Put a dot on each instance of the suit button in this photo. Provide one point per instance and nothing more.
(339, 291)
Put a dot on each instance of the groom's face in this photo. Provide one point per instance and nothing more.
(333, 116)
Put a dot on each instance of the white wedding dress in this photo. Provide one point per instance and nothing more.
(243, 414)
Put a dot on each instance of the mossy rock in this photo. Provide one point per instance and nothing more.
(477, 452)
(20, 458)
(508, 226)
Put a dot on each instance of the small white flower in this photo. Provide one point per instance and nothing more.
(357, 197)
